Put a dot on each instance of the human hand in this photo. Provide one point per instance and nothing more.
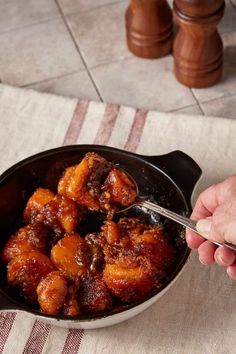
(215, 211)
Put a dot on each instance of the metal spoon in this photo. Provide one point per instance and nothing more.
(182, 220)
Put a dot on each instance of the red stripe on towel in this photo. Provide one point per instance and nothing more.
(6, 323)
(73, 341)
(37, 338)
(76, 123)
(136, 130)
(107, 124)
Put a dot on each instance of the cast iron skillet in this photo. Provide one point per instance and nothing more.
(169, 179)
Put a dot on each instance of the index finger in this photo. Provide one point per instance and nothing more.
(206, 203)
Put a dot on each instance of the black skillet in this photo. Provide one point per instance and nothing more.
(167, 179)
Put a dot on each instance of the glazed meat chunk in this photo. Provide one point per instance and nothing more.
(82, 182)
(25, 271)
(36, 202)
(98, 185)
(71, 255)
(33, 237)
(136, 260)
(61, 214)
(96, 243)
(52, 291)
(94, 296)
(118, 190)
(55, 295)
(129, 281)
(71, 307)
(111, 232)
(155, 245)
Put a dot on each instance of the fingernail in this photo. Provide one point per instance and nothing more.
(204, 226)
(219, 259)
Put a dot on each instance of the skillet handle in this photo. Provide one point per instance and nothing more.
(181, 168)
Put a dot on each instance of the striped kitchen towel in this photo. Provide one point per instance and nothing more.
(200, 306)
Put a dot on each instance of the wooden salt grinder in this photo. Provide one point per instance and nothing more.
(149, 28)
(198, 48)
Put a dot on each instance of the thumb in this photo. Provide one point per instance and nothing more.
(223, 232)
(204, 227)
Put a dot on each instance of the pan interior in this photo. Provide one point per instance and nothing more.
(44, 170)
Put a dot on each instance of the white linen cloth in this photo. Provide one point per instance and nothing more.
(198, 314)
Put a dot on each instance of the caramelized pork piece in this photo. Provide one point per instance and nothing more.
(155, 245)
(129, 281)
(111, 232)
(33, 237)
(25, 272)
(52, 291)
(97, 185)
(71, 255)
(132, 226)
(94, 296)
(134, 234)
(136, 263)
(36, 202)
(96, 238)
(60, 214)
(71, 306)
(82, 182)
(95, 243)
(118, 190)
(120, 233)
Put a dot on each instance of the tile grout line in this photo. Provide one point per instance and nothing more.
(198, 103)
(177, 109)
(105, 63)
(34, 24)
(79, 52)
(53, 78)
(219, 98)
(76, 12)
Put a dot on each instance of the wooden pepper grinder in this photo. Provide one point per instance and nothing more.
(198, 48)
(149, 28)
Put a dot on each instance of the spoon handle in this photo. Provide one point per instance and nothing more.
(188, 223)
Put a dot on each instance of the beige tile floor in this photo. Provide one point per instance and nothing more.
(77, 48)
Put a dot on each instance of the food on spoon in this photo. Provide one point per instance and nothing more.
(97, 185)
(117, 190)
